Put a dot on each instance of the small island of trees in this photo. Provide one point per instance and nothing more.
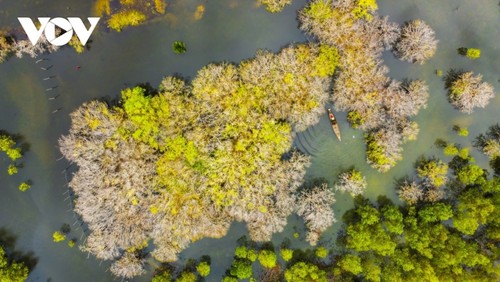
(182, 163)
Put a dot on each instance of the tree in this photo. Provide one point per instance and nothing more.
(417, 42)
(126, 18)
(470, 174)
(58, 236)
(24, 186)
(461, 131)
(489, 142)
(321, 252)
(203, 269)
(129, 265)
(164, 276)
(11, 270)
(6, 46)
(267, 258)
(286, 254)
(472, 53)
(433, 172)
(186, 277)
(450, 150)
(410, 192)
(315, 206)
(275, 6)
(466, 91)
(179, 47)
(353, 182)
(351, 263)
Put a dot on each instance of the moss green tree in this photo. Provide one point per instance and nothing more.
(11, 270)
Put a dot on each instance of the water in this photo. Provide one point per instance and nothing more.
(229, 31)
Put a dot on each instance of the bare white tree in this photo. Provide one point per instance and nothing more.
(417, 42)
(410, 192)
(352, 182)
(467, 92)
(315, 206)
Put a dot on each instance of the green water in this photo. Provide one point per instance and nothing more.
(231, 30)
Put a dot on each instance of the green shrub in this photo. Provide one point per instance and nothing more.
(473, 53)
(450, 150)
(126, 18)
(179, 47)
(286, 254)
(203, 269)
(58, 236)
(24, 186)
(321, 252)
(12, 169)
(461, 131)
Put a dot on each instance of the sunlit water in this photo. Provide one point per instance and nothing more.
(231, 30)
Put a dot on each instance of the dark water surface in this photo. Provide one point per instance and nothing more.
(231, 30)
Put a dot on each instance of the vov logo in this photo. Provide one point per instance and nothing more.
(48, 26)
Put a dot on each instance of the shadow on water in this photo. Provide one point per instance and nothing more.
(8, 242)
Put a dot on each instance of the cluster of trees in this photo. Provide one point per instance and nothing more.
(453, 239)
(9, 46)
(374, 102)
(9, 146)
(12, 271)
(182, 164)
(192, 271)
(466, 91)
(265, 263)
(129, 12)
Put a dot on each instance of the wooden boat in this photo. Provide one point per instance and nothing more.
(334, 123)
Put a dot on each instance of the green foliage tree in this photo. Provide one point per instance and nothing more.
(286, 254)
(471, 174)
(179, 47)
(203, 269)
(7, 145)
(321, 252)
(433, 171)
(461, 131)
(164, 276)
(12, 169)
(186, 277)
(351, 263)
(267, 258)
(122, 19)
(473, 53)
(12, 271)
(241, 268)
(24, 186)
(450, 150)
(305, 272)
(58, 236)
